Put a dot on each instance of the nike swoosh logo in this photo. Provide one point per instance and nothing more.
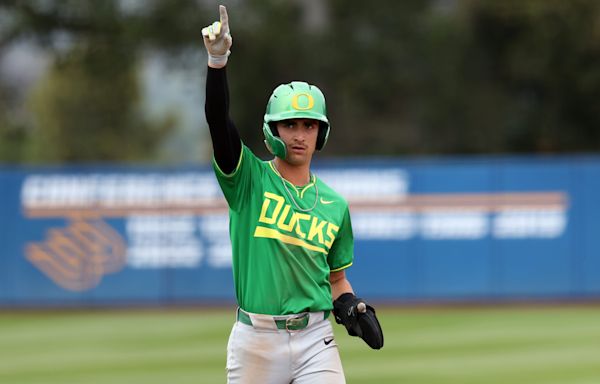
(323, 201)
(327, 342)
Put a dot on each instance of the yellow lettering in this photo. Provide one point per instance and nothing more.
(287, 220)
(316, 229)
(263, 213)
(281, 223)
(330, 234)
(299, 217)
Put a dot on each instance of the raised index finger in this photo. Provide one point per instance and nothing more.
(224, 18)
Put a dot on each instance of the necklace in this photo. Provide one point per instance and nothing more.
(292, 196)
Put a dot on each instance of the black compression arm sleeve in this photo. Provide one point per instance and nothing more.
(226, 140)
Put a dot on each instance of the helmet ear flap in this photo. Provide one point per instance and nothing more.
(273, 143)
(322, 136)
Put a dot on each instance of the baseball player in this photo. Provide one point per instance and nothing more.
(291, 236)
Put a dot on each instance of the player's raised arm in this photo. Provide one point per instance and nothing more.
(226, 141)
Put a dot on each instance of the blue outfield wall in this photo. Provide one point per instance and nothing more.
(457, 229)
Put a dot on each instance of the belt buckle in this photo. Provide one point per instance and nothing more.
(295, 323)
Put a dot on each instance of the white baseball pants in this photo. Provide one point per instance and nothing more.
(262, 353)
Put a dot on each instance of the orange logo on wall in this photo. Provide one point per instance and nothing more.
(76, 257)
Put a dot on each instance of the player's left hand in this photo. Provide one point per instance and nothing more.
(359, 319)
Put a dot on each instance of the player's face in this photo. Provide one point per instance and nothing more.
(300, 138)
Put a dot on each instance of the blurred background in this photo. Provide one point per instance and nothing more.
(401, 78)
(464, 136)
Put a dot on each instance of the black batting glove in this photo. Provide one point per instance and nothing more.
(346, 312)
(359, 319)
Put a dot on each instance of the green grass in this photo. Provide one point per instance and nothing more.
(547, 345)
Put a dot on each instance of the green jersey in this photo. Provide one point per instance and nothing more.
(285, 239)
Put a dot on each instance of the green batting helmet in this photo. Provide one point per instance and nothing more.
(296, 100)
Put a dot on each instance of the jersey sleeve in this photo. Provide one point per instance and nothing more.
(341, 253)
(237, 185)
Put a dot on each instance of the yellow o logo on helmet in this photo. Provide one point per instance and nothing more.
(310, 102)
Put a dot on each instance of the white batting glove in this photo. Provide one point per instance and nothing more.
(217, 40)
